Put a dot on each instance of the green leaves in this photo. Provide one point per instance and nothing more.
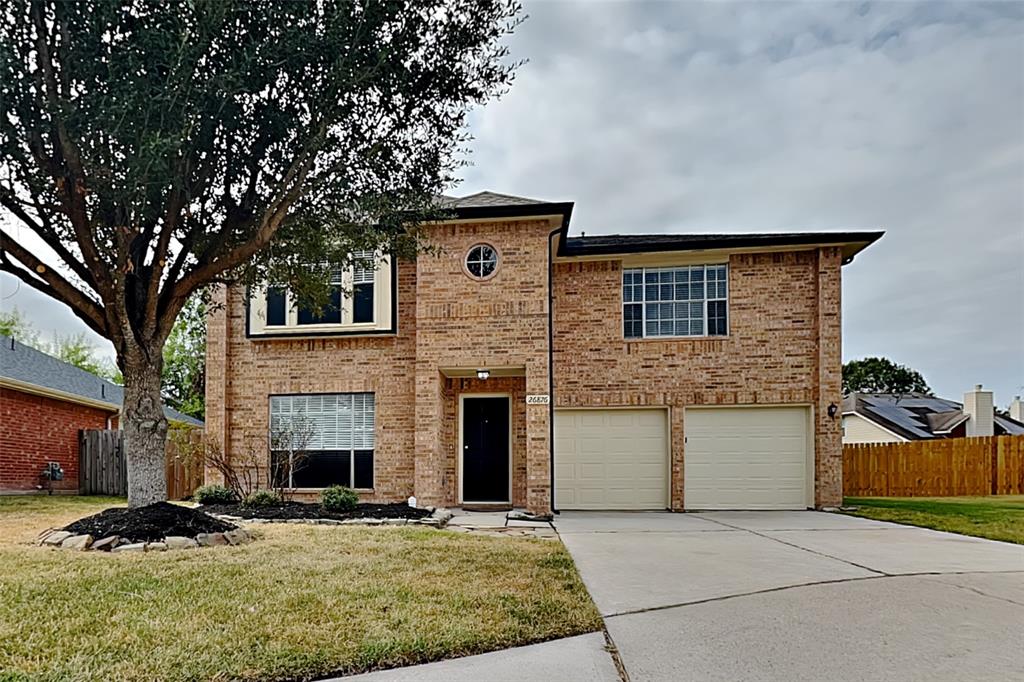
(881, 375)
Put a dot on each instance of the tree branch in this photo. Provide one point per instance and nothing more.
(51, 283)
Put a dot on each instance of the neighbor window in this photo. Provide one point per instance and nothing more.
(689, 300)
(322, 440)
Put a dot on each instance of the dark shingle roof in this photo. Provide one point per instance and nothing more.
(916, 416)
(27, 365)
(487, 198)
(852, 242)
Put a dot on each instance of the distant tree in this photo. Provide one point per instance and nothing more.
(184, 375)
(78, 351)
(14, 325)
(74, 349)
(159, 149)
(881, 375)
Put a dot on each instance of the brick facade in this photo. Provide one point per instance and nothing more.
(783, 347)
(35, 430)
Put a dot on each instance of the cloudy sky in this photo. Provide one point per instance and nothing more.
(683, 116)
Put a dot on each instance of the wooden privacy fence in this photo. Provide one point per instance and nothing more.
(102, 469)
(992, 465)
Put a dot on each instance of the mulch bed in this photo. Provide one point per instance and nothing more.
(305, 510)
(151, 523)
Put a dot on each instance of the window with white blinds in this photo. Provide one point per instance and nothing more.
(335, 433)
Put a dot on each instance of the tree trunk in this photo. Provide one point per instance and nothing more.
(145, 427)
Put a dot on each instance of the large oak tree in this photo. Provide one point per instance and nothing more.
(159, 148)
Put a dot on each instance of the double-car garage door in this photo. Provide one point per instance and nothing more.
(734, 458)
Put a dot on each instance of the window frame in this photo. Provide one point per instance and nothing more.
(381, 281)
(643, 302)
(351, 450)
(466, 261)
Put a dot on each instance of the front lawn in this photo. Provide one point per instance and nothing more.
(301, 602)
(998, 517)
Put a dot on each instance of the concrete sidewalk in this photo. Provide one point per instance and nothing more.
(573, 659)
(799, 596)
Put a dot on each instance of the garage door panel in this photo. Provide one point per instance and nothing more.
(746, 458)
(611, 459)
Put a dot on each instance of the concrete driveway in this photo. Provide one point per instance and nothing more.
(799, 596)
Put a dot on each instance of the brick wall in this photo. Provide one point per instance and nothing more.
(35, 430)
(446, 320)
(782, 348)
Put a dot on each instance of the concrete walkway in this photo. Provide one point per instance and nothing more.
(799, 596)
(574, 659)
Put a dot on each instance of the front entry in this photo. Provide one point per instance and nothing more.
(485, 449)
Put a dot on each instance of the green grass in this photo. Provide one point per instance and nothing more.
(301, 602)
(999, 517)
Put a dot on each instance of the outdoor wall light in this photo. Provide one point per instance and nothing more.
(832, 409)
(483, 374)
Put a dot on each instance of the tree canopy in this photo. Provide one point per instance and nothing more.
(151, 149)
(881, 375)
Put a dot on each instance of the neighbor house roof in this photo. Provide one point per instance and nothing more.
(916, 416)
(487, 198)
(25, 368)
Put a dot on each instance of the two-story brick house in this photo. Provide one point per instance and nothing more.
(523, 367)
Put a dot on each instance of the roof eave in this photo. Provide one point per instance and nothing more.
(852, 243)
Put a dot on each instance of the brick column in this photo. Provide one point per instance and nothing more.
(828, 446)
(216, 427)
(430, 460)
(538, 451)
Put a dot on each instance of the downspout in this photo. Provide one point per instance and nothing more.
(551, 370)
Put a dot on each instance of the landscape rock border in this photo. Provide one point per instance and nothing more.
(62, 539)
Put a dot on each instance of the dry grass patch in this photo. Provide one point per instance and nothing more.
(300, 603)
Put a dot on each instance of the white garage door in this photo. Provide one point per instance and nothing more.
(746, 458)
(611, 459)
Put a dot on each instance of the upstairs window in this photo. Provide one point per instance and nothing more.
(688, 300)
(330, 313)
(359, 298)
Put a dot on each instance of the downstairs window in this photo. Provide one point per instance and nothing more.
(322, 440)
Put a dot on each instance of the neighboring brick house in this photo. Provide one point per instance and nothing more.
(44, 403)
(668, 371)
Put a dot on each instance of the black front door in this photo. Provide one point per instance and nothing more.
(485, 449)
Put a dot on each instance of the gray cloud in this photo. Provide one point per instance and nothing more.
(666, 116)
(659, 117)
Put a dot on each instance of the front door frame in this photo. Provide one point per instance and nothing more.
(462, 398)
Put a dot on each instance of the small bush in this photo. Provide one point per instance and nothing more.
(339, 498)
(214, 494)
(262, 498)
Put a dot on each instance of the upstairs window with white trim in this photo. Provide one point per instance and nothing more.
(359, 299)
(687, 300)
(322, 440)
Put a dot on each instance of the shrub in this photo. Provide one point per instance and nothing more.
(214, 494)
(339, 498)
(262, 498)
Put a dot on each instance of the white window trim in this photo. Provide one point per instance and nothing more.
(382, 312)
(643, 304)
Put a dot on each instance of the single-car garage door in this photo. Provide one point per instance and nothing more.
(611, 459)
(746, 458)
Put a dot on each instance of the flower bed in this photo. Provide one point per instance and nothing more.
(287, 511)
(154, 527)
